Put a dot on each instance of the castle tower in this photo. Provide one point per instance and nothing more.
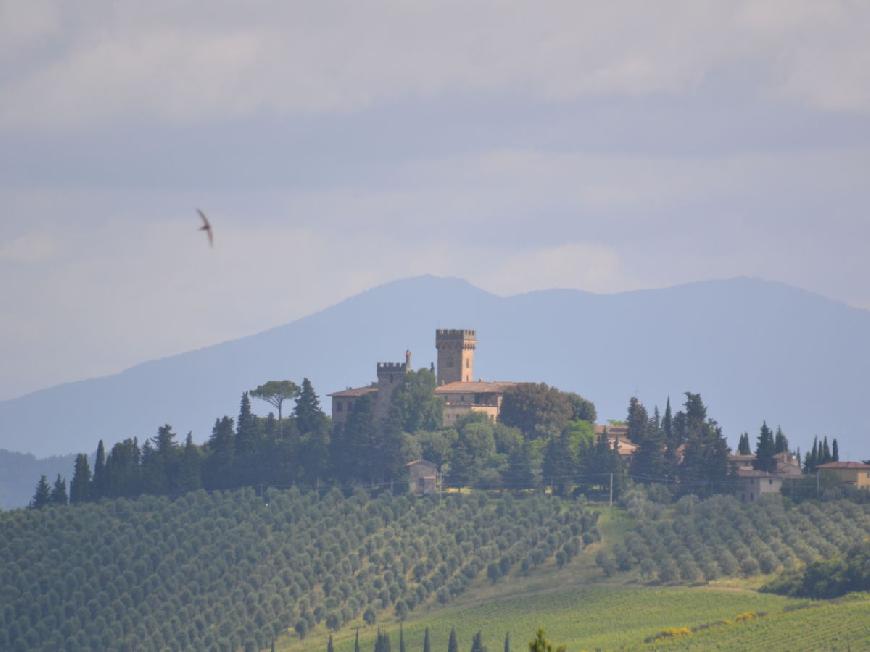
(455, 355)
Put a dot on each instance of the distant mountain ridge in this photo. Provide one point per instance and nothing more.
(754, 349)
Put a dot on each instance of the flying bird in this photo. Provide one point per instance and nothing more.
(206, 226)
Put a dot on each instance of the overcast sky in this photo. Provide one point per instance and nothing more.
(602, 146)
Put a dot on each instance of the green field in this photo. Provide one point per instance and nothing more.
(579, 607)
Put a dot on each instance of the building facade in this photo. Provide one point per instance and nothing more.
(856, 474)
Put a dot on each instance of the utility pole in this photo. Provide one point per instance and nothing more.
(611, 489)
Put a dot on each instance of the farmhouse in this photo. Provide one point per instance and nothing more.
(856, 474)
(422, 477)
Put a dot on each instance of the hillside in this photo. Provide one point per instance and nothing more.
(233, 570)
(755, 350)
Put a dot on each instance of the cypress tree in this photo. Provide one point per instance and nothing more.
(835, 451)
(780, 441)
(637, 420)
(427, 643)
(452, 643)
(507, 642)
(329, 646)
(402, 638)
(190, 471)
(743, 447)
(81, 481)
(477, 643)
(356, 641)
(648, 462)
(42, 495)
(764, 450)
(58, 492)
(98, 486)
(825, 455)
(307, 412)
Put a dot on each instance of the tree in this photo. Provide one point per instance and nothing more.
(42, 495)
(98, 487)
(452, 643)
(307, 412)
(743, 446)
(835, 451)
(537, 409)
(637, 420)
(520, 473)
(507, 642)
(559, 467)
(780, 441)
(427, 643)
(765, 449)
(275, 392)
(413, 404)
(58, 492)
(477, 643)
(356, 641)
(541, 644)
(220, 459)
(79, 488)
(648, 463)
(402, 647)
(190, 469)
(705, 460)
(329, 646)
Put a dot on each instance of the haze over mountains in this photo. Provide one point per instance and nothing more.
(754, 349)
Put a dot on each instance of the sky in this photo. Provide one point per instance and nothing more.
(339, 145)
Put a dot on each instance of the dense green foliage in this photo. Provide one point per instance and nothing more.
(696, 541)
(827, 578)
(229, 570)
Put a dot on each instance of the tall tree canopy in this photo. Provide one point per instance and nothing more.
(275, 392)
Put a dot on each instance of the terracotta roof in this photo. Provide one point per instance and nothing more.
(427, 463)
(845, 465)
(755, 473)
(475, 387)
(740, 457)
(354, 392)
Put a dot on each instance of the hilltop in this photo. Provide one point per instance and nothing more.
(757, 350)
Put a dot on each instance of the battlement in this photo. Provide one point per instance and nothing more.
(392, 366)
(454, 332)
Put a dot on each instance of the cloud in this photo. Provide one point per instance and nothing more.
(28, 249)
(184, 64)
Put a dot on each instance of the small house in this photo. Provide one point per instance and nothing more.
(754, 484)
(856, 474)
(422, 477)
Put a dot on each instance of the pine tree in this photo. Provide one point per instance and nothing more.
(98, 486)
(452, 643)
(835, 451)
(648, 463)
(42, 495)
(79, 488)
(58, 492)
(764, 450)
(220, 461)
(477, 643)
(427, 643)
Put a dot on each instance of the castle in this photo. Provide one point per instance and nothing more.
(454, 374)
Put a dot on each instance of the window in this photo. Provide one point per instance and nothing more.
(770, 481)
(468, 363)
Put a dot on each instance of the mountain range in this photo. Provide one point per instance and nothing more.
(756, 350)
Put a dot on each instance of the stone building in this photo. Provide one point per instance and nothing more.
(389, 376)
(422, 477)
(454, 375)
(856, 474)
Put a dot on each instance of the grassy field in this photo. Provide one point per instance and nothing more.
(580, 608)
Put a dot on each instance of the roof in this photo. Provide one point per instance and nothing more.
(354, 392)
(845, 465)
(755, 473)
(741, 457)
(426, 463)
(476, 387)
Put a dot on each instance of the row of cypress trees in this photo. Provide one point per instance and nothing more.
(383, 644)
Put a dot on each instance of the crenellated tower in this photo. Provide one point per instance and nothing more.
(455, 355)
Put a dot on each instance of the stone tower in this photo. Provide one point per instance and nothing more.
(455, 355)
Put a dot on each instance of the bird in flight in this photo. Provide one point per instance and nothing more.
(206, 226)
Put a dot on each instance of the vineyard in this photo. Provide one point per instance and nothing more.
(234, 570)
(698, 541)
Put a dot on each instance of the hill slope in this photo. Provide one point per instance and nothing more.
(755, 350)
